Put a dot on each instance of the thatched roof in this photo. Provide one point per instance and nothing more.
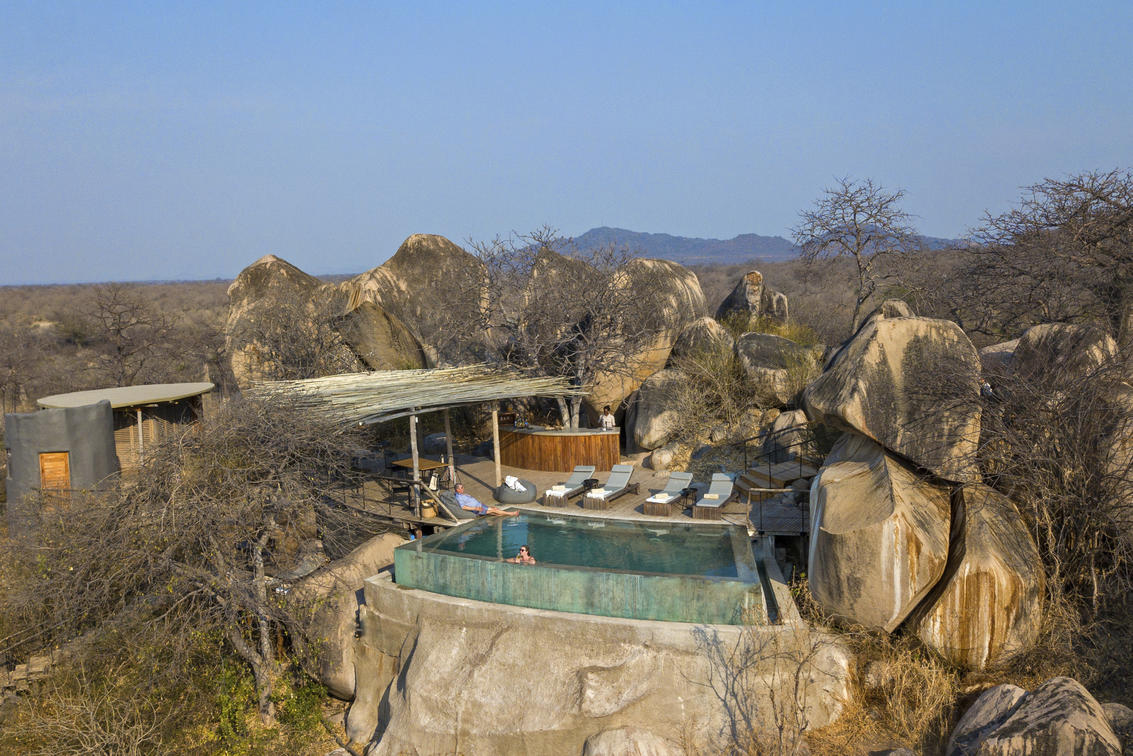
(366, 398)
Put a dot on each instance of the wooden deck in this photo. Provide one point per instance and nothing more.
(768, 517)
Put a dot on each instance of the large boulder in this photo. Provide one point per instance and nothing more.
(996, 359)
(653, 415)
(674, 296)
(912, 385)
(787, 437)
(879, 535)
(752, 298)
(272, 307)
(891, 308)
(438, 674)
(703, 336)
(329, 600)
(1058, 718)
(988, 607)
(1063, 350)
(777, 367)
(431, 285)
(381, 340)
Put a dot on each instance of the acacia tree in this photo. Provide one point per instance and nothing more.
(131, 333)
(552, 309)
(859, 220)
(1065, 252)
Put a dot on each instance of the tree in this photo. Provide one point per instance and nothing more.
(131, 333)
(1066, 252)
(551, 309)
(196, 550)
(860, 220)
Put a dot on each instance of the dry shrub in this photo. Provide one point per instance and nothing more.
(912, 690)
(739, 323)
(770, 684)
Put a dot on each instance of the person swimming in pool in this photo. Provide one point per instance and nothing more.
(473, 505)
(523, 557)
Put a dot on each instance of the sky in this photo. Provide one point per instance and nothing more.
(184, 140)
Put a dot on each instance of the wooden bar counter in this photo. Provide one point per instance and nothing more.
(559, 450)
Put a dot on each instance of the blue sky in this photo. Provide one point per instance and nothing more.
(163, 140)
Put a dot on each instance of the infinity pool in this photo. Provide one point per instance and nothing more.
(616, 568)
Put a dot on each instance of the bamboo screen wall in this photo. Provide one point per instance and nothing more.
(158, 423)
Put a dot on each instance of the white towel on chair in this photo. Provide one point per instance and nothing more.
(513, 483)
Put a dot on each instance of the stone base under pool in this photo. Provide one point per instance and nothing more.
(705, 574)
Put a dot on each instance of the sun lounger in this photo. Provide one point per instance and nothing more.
(615, 485)
(454, 510)
(659, 503)
(557, 496)
(709, 506)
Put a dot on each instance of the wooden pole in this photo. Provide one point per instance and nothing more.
(496, 442)
(414, 497)
(448, 446)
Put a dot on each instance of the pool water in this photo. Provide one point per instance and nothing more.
(658, 571)
(599, 544)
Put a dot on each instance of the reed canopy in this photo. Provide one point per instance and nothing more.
(375, 397)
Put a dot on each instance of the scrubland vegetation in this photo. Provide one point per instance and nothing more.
(163, 600)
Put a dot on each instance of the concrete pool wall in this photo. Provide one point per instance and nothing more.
(674, 598)
(739, 595)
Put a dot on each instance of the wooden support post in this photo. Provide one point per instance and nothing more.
(448, 447)
(496, 442)
(414, 496)
(141, 444)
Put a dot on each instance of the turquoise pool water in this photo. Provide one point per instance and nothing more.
(675, 572)
(598, 544)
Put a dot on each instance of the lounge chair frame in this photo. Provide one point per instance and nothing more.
(574, 486)
(677, 483)
(723, 487)
(618, 480)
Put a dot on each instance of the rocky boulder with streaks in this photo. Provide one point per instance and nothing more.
(912, 385)
(879, 535)
(988, 607)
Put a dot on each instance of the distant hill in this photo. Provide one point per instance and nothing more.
(692, 251)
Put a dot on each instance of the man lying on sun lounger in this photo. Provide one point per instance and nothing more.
(470, 503)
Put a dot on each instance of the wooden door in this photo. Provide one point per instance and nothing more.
(55, 477)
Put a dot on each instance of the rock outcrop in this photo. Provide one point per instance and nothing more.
(282, 320)
(988, 607)
(912, 385)
(787, 437)
(1066, 350)
(673, 294)
(996, 359)
(381, 340)
(652, 415)
(272, 305)
(891, 308)
(329, 598)
(753, 298)
(446, 675)
(879, 535)
(777, 368)
(1059, 717)
(703, 336)
(426, 286)
(629, 741)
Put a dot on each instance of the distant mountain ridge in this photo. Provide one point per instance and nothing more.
(690, 250)
(693, 251)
